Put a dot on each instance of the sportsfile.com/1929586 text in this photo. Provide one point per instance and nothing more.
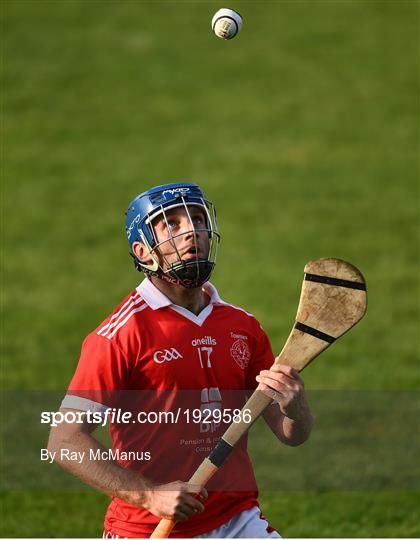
(118, 416)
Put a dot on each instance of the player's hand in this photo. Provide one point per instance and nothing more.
(177, 500)
(284, 385)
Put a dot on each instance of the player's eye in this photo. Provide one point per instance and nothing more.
(171, 223)
(197, 220)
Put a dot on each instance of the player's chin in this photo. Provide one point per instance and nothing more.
(180, 261)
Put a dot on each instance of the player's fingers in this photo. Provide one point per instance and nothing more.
(273, 394)
(194, 504)
(289, 377)
(275, 380)
(187, 504)
(273, 384)
(273, 391)
(276, 374)
(201, 492)
(287, 370)
(181, 514)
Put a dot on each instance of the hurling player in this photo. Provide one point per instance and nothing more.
(174, 345)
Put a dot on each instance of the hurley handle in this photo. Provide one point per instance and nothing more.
(200, 478)
(256, 404)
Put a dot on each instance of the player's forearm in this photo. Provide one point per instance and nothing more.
(297, 430)
(291, 431)
(103, 475)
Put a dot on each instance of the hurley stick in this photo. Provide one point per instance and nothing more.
(332, 300)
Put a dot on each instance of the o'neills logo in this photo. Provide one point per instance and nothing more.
(208, 340)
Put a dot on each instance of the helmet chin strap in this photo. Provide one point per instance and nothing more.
(190, 274)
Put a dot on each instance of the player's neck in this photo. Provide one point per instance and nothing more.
(195, 300)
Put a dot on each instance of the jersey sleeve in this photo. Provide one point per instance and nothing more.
(262, 358)
(101, 375)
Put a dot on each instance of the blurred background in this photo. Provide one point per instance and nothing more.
(303, 130)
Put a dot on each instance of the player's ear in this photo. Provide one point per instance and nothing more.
(142, 253)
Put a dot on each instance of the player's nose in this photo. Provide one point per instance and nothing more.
(188, 228)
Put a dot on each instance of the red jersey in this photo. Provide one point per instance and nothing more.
(152, 356)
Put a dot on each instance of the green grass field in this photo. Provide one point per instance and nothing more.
(303, 131)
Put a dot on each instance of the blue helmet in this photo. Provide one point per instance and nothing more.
(156, 202)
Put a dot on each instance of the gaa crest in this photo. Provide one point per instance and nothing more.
(240, 353)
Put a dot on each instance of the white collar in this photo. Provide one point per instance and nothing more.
(155, 298)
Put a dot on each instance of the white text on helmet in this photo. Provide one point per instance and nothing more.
(131, 226)
(181, 190)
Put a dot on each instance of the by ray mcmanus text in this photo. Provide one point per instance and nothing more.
(97, 454)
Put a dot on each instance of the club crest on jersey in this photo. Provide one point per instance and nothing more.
(240, 353)
(166, 355)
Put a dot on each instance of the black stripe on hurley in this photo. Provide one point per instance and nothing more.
(335, 281)
(314, 332)
(220, 452)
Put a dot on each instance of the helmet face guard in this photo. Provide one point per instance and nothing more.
(155, 204)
